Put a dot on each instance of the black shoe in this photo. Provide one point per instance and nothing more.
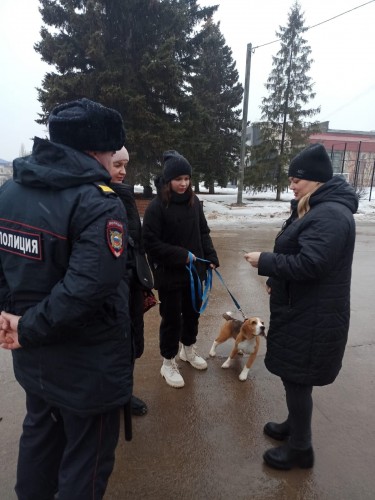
(139, 407)
(284, 457)
(280, 432)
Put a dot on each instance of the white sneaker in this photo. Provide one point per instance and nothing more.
(169, 370)
(189, 354)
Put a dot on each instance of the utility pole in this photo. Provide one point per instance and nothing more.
(244, 123)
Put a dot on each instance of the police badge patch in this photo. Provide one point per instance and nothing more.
(115, 237)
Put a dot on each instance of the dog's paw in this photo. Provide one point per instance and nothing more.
(243, 375)
(212, 353)
(226, 364)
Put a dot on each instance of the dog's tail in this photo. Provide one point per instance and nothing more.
(228, 316)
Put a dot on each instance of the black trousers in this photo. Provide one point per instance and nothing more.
(64, 452)
(300, 406)
(179, 320)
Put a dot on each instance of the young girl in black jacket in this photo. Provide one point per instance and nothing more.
(174, 225)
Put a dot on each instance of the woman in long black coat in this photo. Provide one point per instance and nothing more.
(309, 283)
(117, 171)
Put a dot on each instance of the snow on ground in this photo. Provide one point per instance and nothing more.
(260, 207)
(263, 207)
(220, 208)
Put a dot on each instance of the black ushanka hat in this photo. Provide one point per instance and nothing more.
(87, 126)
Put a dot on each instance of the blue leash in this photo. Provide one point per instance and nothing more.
(203, 297)
(232, 297)
(208, 286)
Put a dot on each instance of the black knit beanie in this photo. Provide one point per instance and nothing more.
(312, 164)
(175, 165)
(87, 126)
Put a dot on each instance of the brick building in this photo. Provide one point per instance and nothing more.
(352, 153)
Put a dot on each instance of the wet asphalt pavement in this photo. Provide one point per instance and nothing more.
(205, 441)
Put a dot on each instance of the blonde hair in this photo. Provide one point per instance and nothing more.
(303, 204)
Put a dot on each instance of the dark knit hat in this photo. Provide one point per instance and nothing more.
(87, 126)
(312, 164)
(175, 165)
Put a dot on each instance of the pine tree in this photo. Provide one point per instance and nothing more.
(211, 118)
(284, 128)
(132, 55)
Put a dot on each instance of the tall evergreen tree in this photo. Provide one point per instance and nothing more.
(211, 118)
(132, 55)
(284, 128)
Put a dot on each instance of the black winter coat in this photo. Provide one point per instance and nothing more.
(138, 270)
(169, 233)
(134, 222)
(310, 276)
(62, 270)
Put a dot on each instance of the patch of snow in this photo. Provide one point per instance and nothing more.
(222, 208)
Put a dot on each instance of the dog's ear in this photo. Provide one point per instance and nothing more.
(248, 327)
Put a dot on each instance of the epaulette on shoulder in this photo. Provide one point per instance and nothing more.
(104, 188)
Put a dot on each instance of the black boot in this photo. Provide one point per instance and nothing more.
(277, 431)
(139, 407)
(284, 457)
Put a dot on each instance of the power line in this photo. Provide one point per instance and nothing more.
(318, 24)
(331, 113)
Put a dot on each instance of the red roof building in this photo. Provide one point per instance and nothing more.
(352, 153)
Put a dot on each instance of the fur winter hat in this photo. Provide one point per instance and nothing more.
(175, 165)
(312, 164)
(121, 155)
(87, 126)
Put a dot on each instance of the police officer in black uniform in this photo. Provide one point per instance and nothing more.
(63, 297)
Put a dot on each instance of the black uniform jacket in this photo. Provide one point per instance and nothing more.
(63, 242)
(169, 233)
(310, 275)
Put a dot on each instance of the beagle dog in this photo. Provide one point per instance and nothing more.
(247, 339)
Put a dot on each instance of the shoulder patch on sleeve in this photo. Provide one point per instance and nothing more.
(115, 237)
(103, 188)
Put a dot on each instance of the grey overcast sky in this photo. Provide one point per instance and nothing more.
(343, 50)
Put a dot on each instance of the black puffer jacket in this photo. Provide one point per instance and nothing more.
(138, 270)
(61, 228)
(310, 275)
(169, 232)
(134, 222)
